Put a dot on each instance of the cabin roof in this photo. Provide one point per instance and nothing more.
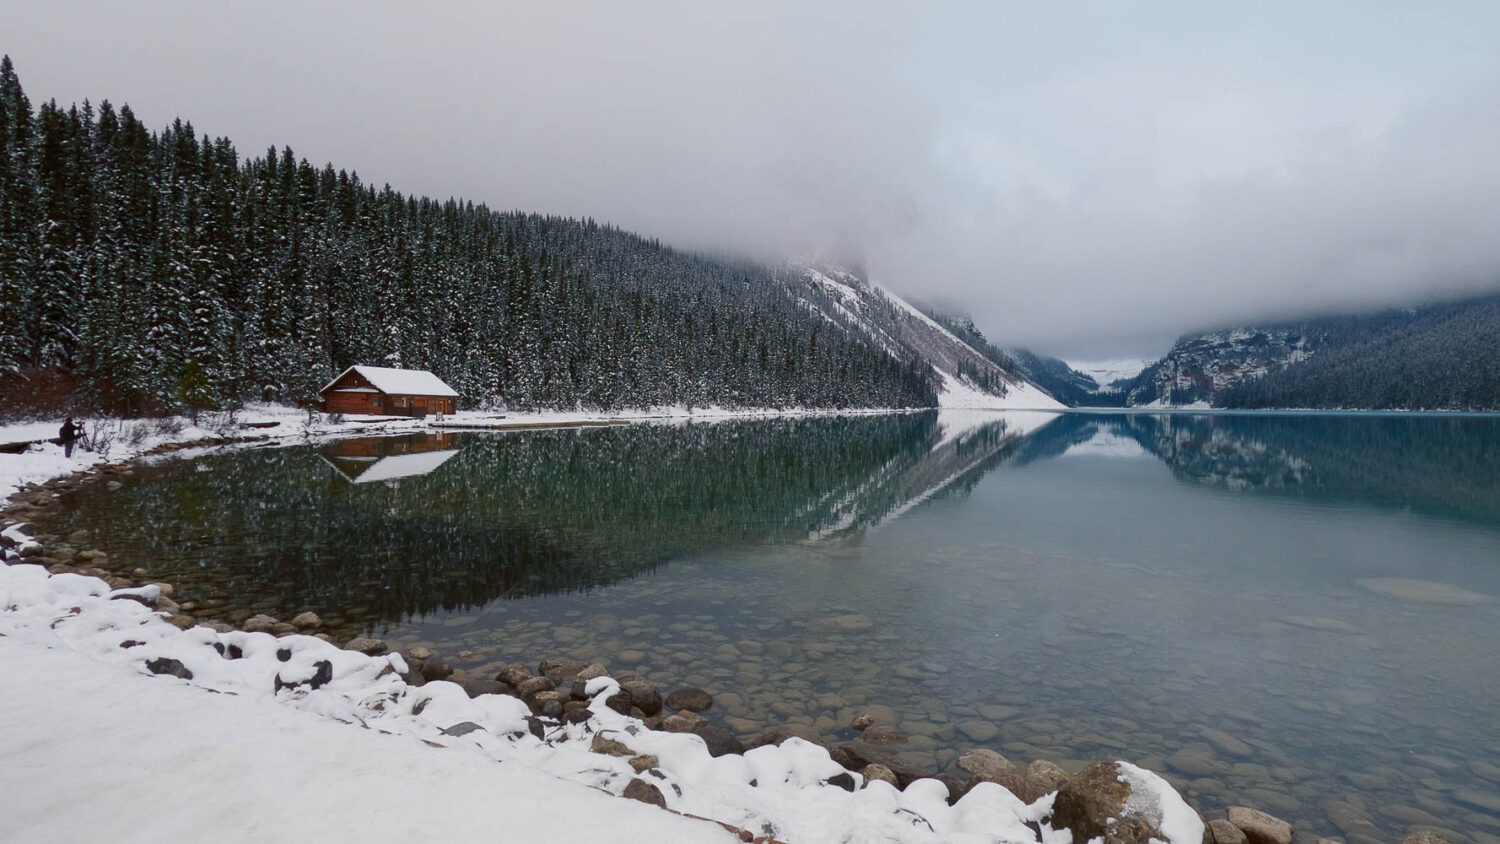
(408, 382)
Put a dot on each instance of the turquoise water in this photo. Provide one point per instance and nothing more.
(1294, 612)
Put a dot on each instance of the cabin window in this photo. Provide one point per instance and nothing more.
(375, 401)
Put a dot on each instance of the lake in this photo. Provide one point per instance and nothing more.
(1294, 612)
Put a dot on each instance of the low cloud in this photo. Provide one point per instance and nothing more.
(1087, 181)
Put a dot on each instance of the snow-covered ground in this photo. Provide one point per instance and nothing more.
(959, 395)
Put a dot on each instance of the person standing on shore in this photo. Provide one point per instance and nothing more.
(69, 433)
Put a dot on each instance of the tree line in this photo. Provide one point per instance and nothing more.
(141, 271)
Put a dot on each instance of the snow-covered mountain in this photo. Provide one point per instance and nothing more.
(1110, 376)
(970, 378)
(1202, 366)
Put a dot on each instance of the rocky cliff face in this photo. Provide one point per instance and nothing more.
(1200, 367)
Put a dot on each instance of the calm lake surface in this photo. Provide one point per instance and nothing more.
(1294, 612)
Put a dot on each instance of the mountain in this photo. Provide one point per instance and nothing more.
(141, 271)
(1200, 367)
(1435, 357)
(1068, 385)
(969, 371)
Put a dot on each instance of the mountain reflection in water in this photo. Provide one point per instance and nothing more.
(420, 523)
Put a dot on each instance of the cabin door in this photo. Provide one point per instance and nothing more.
(419, 407)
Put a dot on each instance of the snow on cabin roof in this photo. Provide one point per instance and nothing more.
(410, 382)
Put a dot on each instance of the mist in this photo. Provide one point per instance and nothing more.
(1089, 182)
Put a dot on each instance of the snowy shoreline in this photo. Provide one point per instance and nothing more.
(794, 791)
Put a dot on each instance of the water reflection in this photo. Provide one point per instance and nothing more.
(428, 522)
(1440, 466)
(364, 460)
(438, 522)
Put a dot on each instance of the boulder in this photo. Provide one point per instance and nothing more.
(883, 734)
(683, 722)
(436, 669)
(475, 688)
(844, 781)
(776, 735)
(689, 698)
(366, 646)
(1099, 802)
(170, 667)
(418, 653)
(609, 747)
(514, 675)
(321, 676)
(984, 765)
(878, 773)
(639, 789)
(306, 621)
(642, 695)
(1425, 836)
(1259, 827)
(1220, 831)
(858, 754)
(534, 685)
(261, 623)
(720, 741)
(1047, 774)
(1091, 805)
(560, 673)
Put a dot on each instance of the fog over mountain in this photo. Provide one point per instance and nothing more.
(1087, 180)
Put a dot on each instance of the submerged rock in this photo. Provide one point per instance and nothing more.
(689, 698)
(1259, 827)
(366, 646)
(1220, 831)
(262, 623)
(436, 669)
(683, 722)
(1423, 591)
(780, 733)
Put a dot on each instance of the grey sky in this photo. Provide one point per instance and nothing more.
(1089, 179)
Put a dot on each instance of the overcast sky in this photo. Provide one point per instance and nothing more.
(1087, 179)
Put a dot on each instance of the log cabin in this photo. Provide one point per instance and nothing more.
(379, 391)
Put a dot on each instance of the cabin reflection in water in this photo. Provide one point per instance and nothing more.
(363, 460)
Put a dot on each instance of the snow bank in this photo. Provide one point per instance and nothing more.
(957, 394)
(88, 714)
